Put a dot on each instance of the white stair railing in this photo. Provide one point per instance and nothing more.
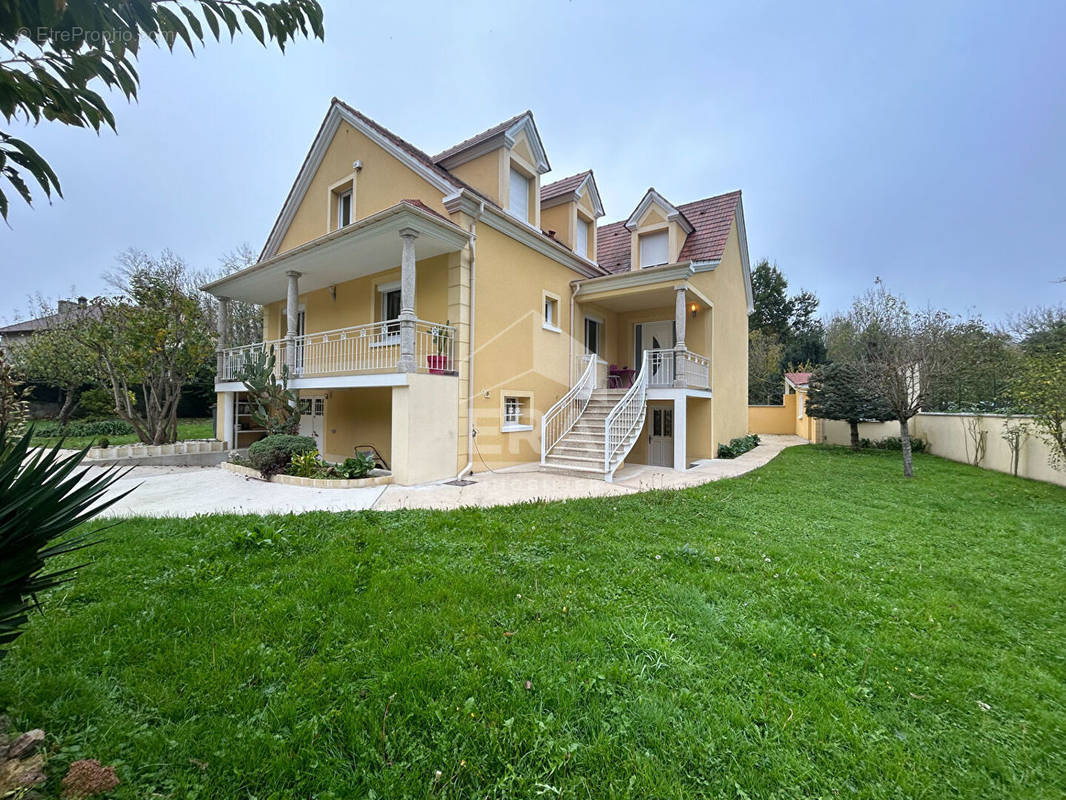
(625, 421)
(560, 418)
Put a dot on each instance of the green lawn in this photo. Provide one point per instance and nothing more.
(187, 429)
(818, 628)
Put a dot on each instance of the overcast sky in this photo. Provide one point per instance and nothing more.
(921, 142)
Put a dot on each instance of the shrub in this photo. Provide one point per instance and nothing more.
(306, 464)
(893, 443)
(103, 442)
(95, 427)
(273, 454)
(738, 446)
(357, 467)
(96, 403)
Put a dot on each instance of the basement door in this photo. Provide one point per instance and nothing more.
(313, 418)
(661, 436)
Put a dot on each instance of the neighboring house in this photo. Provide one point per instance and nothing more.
(441, 308)
(19, 331)
(791, 416)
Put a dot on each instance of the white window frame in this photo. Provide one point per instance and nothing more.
(524, 216)
(644, 238)
(552, 324)
(601, 327)
(348, 195)
(384, 290)
(512, 423)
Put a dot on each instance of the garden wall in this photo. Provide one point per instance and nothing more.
(946, 436)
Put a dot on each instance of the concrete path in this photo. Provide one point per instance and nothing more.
(526, 483)
(187, 491)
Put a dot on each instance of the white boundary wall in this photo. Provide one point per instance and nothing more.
(946, 435)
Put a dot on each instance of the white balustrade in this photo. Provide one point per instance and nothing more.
(560, 418)
(344, 351)
(625, 419)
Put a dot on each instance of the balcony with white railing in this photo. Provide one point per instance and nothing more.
(680, 368)
(360, 349)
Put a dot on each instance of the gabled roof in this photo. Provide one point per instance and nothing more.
(502, 135)
(569, 190)
(67, 310)
(798, 379)
(710, 218)
(673, 214)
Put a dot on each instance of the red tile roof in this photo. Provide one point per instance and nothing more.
(799, 378)
(563, 186)
(711, 217)
(480, 137)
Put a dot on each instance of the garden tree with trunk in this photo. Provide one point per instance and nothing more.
(900, 352)
(149, 340)
(59, 53)
(54, 357)
(840, 391)
(1039, 384)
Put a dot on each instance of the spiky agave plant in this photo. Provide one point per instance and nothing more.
(43, 495)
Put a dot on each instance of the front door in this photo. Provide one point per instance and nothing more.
(313, 418)
(661, 437)
(656, 336)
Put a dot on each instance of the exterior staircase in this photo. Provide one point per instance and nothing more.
(581, 451)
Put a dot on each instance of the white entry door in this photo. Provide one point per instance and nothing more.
(656, 336)
(313, 418)
(661, 436)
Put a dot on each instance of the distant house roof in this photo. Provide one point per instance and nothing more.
(798, 378)
(66, 309)
(711, 219)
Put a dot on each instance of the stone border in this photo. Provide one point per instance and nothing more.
(183, 448)
(308, 483)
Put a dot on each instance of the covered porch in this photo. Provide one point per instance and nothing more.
(338, 312)
(655, 313)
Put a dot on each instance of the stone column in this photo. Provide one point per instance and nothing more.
(407, 301)
(223, 336)
(680, 319)
(292, 313)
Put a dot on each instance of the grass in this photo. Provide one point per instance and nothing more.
(818, 628)
(187, 429)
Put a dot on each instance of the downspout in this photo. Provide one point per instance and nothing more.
(470, 365)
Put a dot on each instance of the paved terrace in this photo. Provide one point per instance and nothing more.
(188, 491)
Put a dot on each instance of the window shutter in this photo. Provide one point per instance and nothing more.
(518, 203)
(653, 249)
(582, 245)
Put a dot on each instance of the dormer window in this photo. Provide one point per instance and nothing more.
(654, 248)
(518, 200)
(344, 209)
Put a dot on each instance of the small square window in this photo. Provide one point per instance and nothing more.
(516, 413)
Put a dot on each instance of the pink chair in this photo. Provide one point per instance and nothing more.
(614, 380)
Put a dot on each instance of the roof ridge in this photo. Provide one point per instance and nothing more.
(488, 133)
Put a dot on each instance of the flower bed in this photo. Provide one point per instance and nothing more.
(310, 483)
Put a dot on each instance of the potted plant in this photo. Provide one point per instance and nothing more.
(440, 363)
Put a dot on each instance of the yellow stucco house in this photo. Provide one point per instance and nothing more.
(458, 311)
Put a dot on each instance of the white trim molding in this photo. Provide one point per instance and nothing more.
(337, 114)
(505, 138)
(673, 214)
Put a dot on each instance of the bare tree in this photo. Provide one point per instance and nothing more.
(900, 351)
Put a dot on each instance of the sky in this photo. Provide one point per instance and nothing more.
(922, 143)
